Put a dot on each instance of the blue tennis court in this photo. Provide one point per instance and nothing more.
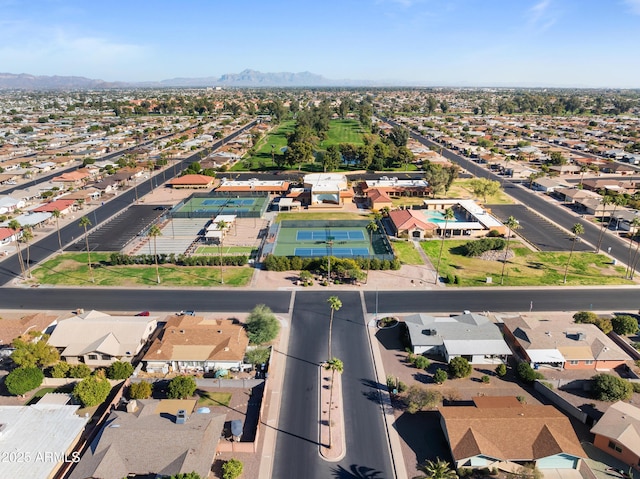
(323, 235)
(228, 202)
(338, 252)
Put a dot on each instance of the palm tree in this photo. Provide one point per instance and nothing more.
(605, 201)
(56, 214)
(577, 230)
(634, 262)
(335, 304)
(618, 200)
(634, 227)
(438, 469)
(222, 226)
(512, 224)
(583, 170)
(372, 227)
(154, 232)
(27, 236)
(448, 215)
(334, 365)
(85, 223)
(15, 226)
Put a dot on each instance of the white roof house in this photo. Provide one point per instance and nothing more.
(472, 336)
(30, 219)
(325, 187)
(39, 436)
(100, 339)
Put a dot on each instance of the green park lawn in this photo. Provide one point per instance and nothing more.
(526, 268)
(307, 216)
(262, 159)
(343, 131)
(72, 269)
(209, 398)
(406, 252)
(226, 250)
(462, 189)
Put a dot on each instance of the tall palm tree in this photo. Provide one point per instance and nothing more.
(56, 214)
(372, 227)
(605, 201)
(577, 230)
(335, 304)
(154, 232)
(448, 215)
(438, 469)
(634, 262)
(27, 236)
(335, 366)
(619, 200)
(85, 223)
(634, 227)
(222, 225)
(512, 224)
(583, 170)
(15, 226)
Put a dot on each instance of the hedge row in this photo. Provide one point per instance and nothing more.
(477, 247)
(296, 263)
(180, 260)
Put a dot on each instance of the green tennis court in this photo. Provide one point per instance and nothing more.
(208, 206)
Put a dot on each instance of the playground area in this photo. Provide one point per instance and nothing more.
(213, 204)
(339, 238)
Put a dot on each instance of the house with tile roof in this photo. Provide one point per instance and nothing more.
(12, 328)
(618, 433)
(64, 206)
(482, 436)
(190, 344)
(378, 199)
(410, 224)
(149, 441)
(471, 336)
(192, 181)
(99, 339)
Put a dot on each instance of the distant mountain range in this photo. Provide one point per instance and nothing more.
(246, 78)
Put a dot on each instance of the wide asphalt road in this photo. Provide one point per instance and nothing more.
(546, 209)
(10, 267)
(296, 455)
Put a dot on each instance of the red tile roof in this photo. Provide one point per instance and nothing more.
(192, 180)
(59, 205)
(405, 220)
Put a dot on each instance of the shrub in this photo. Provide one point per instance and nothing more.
(440, 376)
(119, 370)
(60, 370)
(92, 391)
(402, 387)
(477, 247)
(486, 379)
(141, 390)
(527, 373)
(181, 387)
(259, 355)
(547, 384)
(459, 367)
(391, 382)
(635, 387)
(419, 398)
(607, 387)
(22, 380)
(624, 324)
(262, 325)
(231, 469)
(494, 234)
(79, 371)
(585, 317)
(421, 362)
(501, 370)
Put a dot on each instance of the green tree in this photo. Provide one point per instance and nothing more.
(331, 158)
(79, 371)
(421, 362)
(556, 158)
(262, 325)
(527, 373)
(419, 398)
(186, 475)
(181, 387)
(154, 232)
(484, 187)
(85, 223)
(448, 215)
(335, 366)
(605, 201)
(459, 367)
(231, 469)
(334, 305)
(624, 324)
(57, 214)
(438, 469)
(119, 370)
(222, 226)
(60, 370)
(141, 390)
(511, 224)
(34, 353)
(258, 355)
(372, 227)
(440, 376)
(27, 236)
(399, 136)
(22, 380)
(436, 177)
(16, 227)
(501, 370)
(577, 231)
(607, 387)
(92, 390)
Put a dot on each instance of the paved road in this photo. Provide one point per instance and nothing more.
(543, 207)
(10, 267)
(296, 452)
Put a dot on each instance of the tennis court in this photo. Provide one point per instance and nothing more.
(328, 251)
(228, 202)
(214, 204)
(326, 235)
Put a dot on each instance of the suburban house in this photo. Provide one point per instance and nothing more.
(471, 336)
(501, 432)
(8, 204)
(556, 341)
(30, 219)
(153, 438)
(64, 206)
(547, 185)
(378, 199)
(410, 224)
(469, 218)
(618, 433)
(43, 434)
(12, 328)
(73, 178)
(8, 235)
(194, 344)
(98, 339)
(396, 188)
(192, 181)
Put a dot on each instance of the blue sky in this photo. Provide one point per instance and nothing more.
(589, 43)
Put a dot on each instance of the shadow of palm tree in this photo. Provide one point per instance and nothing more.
(356, 472)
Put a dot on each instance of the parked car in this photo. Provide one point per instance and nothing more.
(143, 313)
(186, 313)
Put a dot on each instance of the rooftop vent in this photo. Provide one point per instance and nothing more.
(181, 416)
(582, 336)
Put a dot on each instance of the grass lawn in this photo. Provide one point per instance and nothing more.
(226, 250)
(278, 138)
(343, 131)
(461, 189)
(526, 268)
(305, 215)
(72, 269)
(406, 252)
(208, 398)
